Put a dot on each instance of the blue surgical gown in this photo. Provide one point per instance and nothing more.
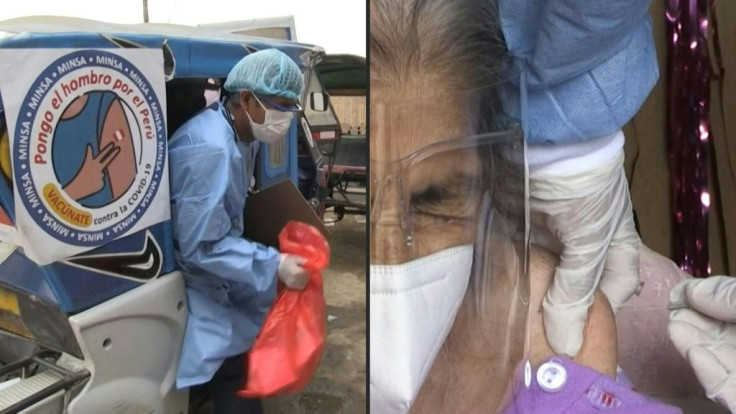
(589, 65)
(230, 281)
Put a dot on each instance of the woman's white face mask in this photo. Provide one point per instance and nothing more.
(413, 307)
(274, 127)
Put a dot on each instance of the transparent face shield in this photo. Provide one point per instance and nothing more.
(448, 238)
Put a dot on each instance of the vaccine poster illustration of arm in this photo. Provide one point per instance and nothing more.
(88, 142)
(94, 151)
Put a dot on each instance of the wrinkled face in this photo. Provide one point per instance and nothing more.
(443, 199)
(422, 200)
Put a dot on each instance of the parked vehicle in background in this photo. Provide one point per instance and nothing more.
(101, 332)
(341, 174)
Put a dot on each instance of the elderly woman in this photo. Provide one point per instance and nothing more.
(456, 307)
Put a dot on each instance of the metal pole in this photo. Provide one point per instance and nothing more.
(145, 11)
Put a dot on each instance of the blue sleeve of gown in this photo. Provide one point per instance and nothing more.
(572, 36)
(200, 177)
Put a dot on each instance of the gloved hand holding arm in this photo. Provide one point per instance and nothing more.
(574, 53)
(589, 212)
(703, 328)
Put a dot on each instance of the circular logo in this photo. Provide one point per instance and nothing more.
(90, 147)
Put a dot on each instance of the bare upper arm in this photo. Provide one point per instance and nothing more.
(599, 346)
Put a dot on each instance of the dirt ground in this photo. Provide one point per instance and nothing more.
(339, 386)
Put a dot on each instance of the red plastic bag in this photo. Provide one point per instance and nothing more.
(289, 347)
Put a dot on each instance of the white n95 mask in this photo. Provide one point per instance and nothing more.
(413, 306)
(274, 126)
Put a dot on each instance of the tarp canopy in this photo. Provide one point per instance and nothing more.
(343, 74)
(188, 51)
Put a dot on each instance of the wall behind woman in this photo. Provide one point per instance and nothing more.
(646, 152)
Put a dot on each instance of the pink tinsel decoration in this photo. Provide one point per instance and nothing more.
(689, 75)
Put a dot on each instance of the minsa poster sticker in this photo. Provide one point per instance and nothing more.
(88, 146)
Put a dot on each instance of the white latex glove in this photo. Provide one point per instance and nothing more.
(291, 271)
(590, 213)
(703, 328)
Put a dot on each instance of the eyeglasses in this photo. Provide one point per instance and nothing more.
(437, 193)
(292, 107)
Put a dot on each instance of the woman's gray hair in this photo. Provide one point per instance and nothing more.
(458, 41)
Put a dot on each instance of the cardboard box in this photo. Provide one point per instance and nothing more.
(268, 211)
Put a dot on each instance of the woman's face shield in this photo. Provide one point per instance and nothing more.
(450, 207)
(436, 197)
